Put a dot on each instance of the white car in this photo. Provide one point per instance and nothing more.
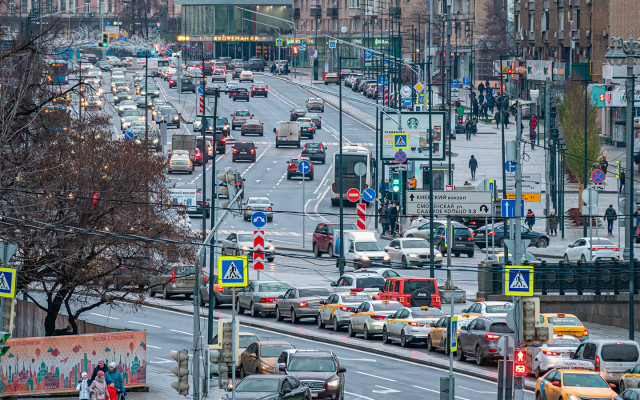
(246, 76)
(546, 356)
(338, 308)
(410, 252)
(488, 309)
(367, 282)
(127, 105)
(370, 316)
(601, 249)
(410, 324)
(117, 73)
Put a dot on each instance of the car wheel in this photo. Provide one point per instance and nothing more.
(430, 344)
(150, 293)
(456, 254)
(330, 250)
(621, 387)
(405, 263)
(336, 327)
(278, 316)
(538, 396)
(311, 176)
(536, 372)
(294, 318)
(319, 321)
(254, 312)
(565, 258)
(202, 302)
(479, 359)
(365, 333)
(543, 242)
(385, 336)
(215, 303)
(583, 258)
(470, 255)
(460, 354)
(446, 348)
(316, 250)
(165, 294)
(239, 308)
(403, 340)
(242, 373)
(352, 333)
(501, 243)
(288, 177)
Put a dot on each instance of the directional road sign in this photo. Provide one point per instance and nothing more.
(200, 90)
(510, 166)
(302, 47)
(518, 280)
(368, 195)
(304, 167)
(303, 41)
(453, 333)
(449, 203)
(169, 52)
(400, 157)
(232, 271)
(466, 81)
(353, 195)
(128, 135)
(400, 141)
(531, 187)
(259, 219)
(8, 282)
(380, 80)
(509, 208)
(278, 42)
(597, 176)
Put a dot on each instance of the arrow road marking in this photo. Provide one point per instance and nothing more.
(385, 391)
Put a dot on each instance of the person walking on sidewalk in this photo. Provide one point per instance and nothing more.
(382, 212)
(98, 387)
(111, 389)
(473, 166)
(100, 367)
(533, 124)
(115, 375)
(83, 387)
(621, 189)
(498, 119)
(412, 183)
(604, 165)
(610, 215)
(530, 219)
(468, 129)
(394, 219)
(273, 69)
(553, 224)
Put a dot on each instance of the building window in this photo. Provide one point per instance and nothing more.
(532, 22)
(561, 19)
(12, 7)
(63, 5)
(544, 22)
(87, 6)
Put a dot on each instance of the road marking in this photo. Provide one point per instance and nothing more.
(143, 324)
(375, 376)
(426, 389)
(154, 347)
(358, 395)
(477, 391)
(385, 390)
(164, 361)
(103, 316)
(183, 332)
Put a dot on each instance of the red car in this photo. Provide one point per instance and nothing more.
(322, 240)
(292, 169)
(411, 291)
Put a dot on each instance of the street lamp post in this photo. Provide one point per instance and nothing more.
(619, 51)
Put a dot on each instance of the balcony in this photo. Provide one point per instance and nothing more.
(576, 35)
(296, 12)
(333, 12)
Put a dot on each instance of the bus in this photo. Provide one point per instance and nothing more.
(59, 72)
(351, 155)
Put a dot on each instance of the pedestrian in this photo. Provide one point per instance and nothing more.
(412, 183)
(473, 165)
(393, 220)
(98, 387)
(610, 215)
(286, 68)
(111, 389)
(532, 138)
(481, 88)
(83, 387)
(530, 219)
(273, 69)
(497, 117)
(487, 85)
(621, 180)
(115, 375)
(485, 110)
(604, 165)
(382, 211)
(506, 118)
(468, 129)
(389, 226)
(553, 223)
(100, 367)
(481, 98)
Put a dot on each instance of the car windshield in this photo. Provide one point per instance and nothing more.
(312, 146)
(602, 242)
(314, 292)
(368, 246)
(186, 270)
(501, 308)
(246, 340)
(273, 287)
(274, 350)
(621, 352)
(572, 321)
(431, 312)
(411, 286)
(584, 380)
(258, 200)
(258, 385)
(355, 299)
(389, 306)
(245, 237)
(373, 282)
(415, 244)
(242, 113)
(312, 364)
(336, 227)
(500, 327)
(566, 341)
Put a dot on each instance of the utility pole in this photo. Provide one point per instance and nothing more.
(428, 103)
(547, 156)
(501, 111)
(447, 123)
(518, 251)
(146, 97)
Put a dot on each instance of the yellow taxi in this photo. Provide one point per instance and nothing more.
(337, 309)
(630, 380)
(437, 337)
(566, 324)
(573, 380)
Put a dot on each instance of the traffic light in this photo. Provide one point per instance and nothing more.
(105, 40)
(156, 49)
(395, 182)
(533, 332)
(295, 50)
(217, 366)
(181, 371)
(520, 362)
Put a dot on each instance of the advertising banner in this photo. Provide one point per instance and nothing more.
(44, 365)
(410, 136)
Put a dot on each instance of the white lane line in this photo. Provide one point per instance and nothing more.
(154, 347)
(375, 376)
(358, 396)
(163, 361)
(474, 390)
(257, 159)
(358, 359)
(143, 324)
(183, 332)
(425, 389)
(103, 316)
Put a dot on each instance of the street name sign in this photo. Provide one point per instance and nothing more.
(232, 271)
(449, 203)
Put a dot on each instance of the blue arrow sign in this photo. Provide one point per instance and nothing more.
(303, 41)
(510, 166)
(304, 167)
(381, 80)
(509, 208)
(200, 90)
(259, 219)
(368, 195)
(169, 52)
(129, 136)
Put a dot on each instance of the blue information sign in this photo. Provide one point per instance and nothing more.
(304, 167)
(259, 219)
(509, 208)
(368, 195)
(129, 136)
(510, 166)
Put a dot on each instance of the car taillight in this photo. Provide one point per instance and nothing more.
(235, 151)
(585, 332)
(378, 317)
(616, 249)
(248, 207)
(490, 233)
(172, 279)
(188, 162)
(171, 81)
(253, 88)
(490, 336)
(290, 164)
(170, 162)
(303, 304)
(270, 208)
(470, 238)
(220, 289)
(550, 353)
(252, 151)
(597, 365)
(204, 277)
(413, 323)
(223, 139)
(267, 300)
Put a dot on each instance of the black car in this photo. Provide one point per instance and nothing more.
(210, 89)
(91, 58)
(320, 370)
(315, 152)
(479, 339)
(280, 387)
(173, 81)
(245, 151)
(220, 140)
(463, 240)
(297, 113)
(240, 94)
(259, 90)
(497, 233)
(315, 117)
(104, 65)
(235, 74)
(188, 85)
(255, 64)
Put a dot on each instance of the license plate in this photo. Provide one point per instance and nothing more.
(314, 394)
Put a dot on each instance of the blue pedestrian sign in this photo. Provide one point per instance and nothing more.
(332, 44)
(259, 219)
(466, 81)
(232, 271)
(368, 195)
(453, 333)
(278, 42)
(510, 166)
(7, 282)
(518, 280)
(129, 136)
(169, 52)
(509, 208)
(304, 167)
(400, 141)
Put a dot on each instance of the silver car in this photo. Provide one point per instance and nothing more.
(260, 297)
(180, 162)
(241, 244)
(127, 104)
(301, 303)
(254, 204)
(410, 324)
(411, 252)
(370, 316)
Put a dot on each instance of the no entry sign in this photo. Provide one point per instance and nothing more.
(353, 195)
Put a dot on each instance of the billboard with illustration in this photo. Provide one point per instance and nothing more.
(54, 364)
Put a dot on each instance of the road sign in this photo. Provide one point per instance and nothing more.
(531, 187)
(302, 47)
(449, 203)
(368, 55)
(518, 280)
(312, 53)
(405, 91)
(453, 333)
(8, 282)
(455, 83)
(509, 208)
(380, 80)
(157, 30)
(597, 176)
(599, 187)
(368, 195)
(360, 169)
(407, 102)
(259, 219)
(362, 215)
(418, 87)
(353, 195)
(169, 52)
(590, 196)
(400, 141)
(303, 41)
(232, 271)
(401, 157)
(7, 250)
(128, 135)
(493, 189)
(510, 166)
(466, 81)
(163, 52)
(258, 250)
(380, 88)
(278, 42)
(200, 90)
(332, 44)
(304, 167)
(111, 29)
(420, 98)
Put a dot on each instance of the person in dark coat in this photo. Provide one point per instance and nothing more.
(468, 129)
(530, 219)
(506, 118)
(382, 212)
(622, 182)
(473, 166)
(100, 367)
(553, 223)
(481, 88)
(498, 119)
(393, 218)
(610, 216)
(114, 375)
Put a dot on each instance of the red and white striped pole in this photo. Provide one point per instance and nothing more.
(201, 103)
(361, 209)
(258, 250)
(386, 95)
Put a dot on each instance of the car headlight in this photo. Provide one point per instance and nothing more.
(364, 258)
(122, 119)
(155, 141)
(386, 258)
(413, 255)
(272, 247)
(265, 365)
(334, 383)
(572, 397)
(245, 248)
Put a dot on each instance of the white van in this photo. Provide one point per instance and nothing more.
(362, 248)
(611, 358)
(287, 134)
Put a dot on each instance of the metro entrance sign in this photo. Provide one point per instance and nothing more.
(449, 203)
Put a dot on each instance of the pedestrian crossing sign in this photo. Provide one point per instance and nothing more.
(8, 282)
(518, 280)
(400, 141)
(233, 271)
(332, 44)
(278, 42)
